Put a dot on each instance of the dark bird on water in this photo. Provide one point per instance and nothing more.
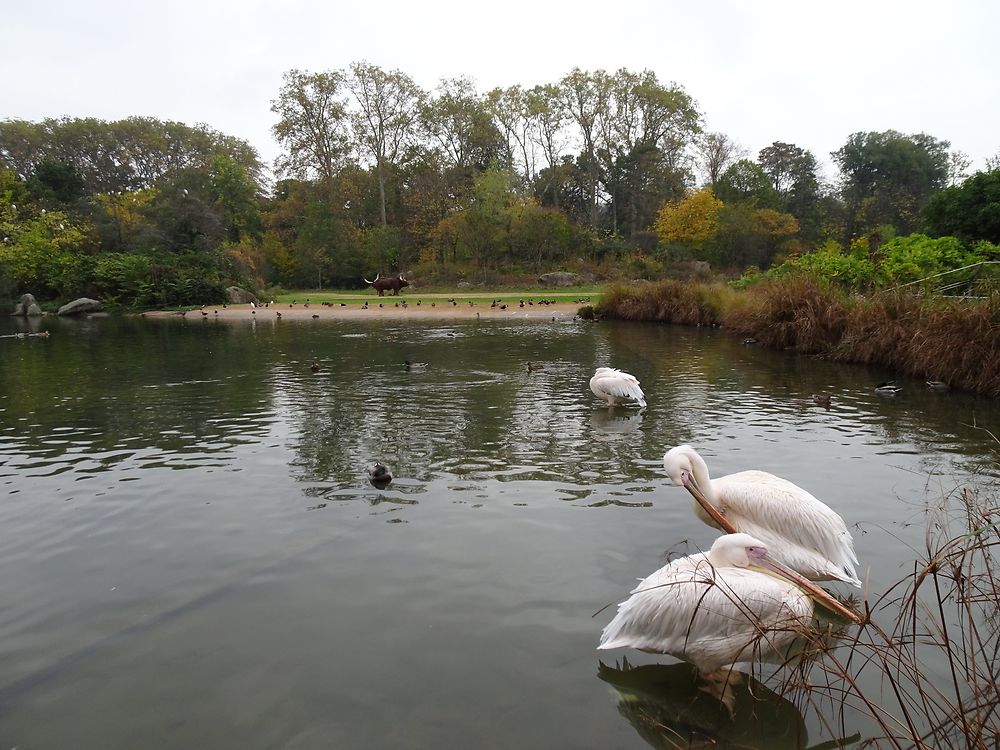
(822, 399)
(380, 475)
(887, 388)
(533, 367)
(314, 367)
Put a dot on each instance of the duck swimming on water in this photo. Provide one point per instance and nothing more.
(380, 475)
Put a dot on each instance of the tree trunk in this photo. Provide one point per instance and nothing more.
(381, 192)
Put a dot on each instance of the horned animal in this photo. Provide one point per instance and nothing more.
(389, 282)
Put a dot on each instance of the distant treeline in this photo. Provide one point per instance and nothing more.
(595, 172)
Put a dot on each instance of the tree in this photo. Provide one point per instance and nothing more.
(313, 124)
(887, 177)
(458, 121)
(56, 182)
(548, 119)
(234, 197)
(645, 136)
(691, 221)
(746, 182)
(748, 236)
(386, 123)
(509, 108)
(585, 96)
(119, 156)
(538, 235)
(793, 174)
(716, 152)
(970, 211)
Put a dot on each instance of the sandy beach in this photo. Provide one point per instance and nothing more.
(385, 307)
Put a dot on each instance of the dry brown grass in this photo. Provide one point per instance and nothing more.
(931, 647)
(955, 341)
(668, 301)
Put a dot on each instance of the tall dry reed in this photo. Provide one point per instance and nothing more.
(926, 666)
(926, 336)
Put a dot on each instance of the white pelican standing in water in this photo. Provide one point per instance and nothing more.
(732, 604)
(805, 533)
(617, 387)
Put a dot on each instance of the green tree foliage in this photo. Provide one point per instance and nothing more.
(970, 211)
(793, 174)
(829, 261)
(56, 183)
(917, 256)
(235, 199)
(118, 156)
(746, 182)
(749, 236)
(385, 123)
(461, 127)
(313, 124)
(887, 177)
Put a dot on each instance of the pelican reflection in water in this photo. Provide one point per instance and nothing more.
(665, 706)
(615, 422)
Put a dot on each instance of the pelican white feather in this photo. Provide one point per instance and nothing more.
(714, 609)
(805, 533)
(617, 387)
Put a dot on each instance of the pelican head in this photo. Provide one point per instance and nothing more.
(687, 469)
(737, 551)
(745, 551)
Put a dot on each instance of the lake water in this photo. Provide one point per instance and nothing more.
(191, 554)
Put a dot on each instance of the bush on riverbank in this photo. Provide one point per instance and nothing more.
(926, 336)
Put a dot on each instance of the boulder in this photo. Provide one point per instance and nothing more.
(239, 296)
(560, 278)
(79, 306)
(28, 306)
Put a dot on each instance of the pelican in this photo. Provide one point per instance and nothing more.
(805, 533)
(617, 387)
(732, 604)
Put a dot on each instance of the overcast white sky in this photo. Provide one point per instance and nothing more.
(802, 72)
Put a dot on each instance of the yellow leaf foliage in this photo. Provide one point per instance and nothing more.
(691, 221)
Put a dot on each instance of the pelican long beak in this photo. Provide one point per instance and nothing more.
(692, 486)
(820, 596)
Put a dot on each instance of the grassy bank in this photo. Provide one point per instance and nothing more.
(925, 336)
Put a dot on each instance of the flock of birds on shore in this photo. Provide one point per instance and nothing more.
(400, 304)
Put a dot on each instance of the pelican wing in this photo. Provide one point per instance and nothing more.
(708, 616)
(801, 531)
(610, 382)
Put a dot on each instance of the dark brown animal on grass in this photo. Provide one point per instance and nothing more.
(395, 283)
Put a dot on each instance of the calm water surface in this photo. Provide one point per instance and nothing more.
(191, 554)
